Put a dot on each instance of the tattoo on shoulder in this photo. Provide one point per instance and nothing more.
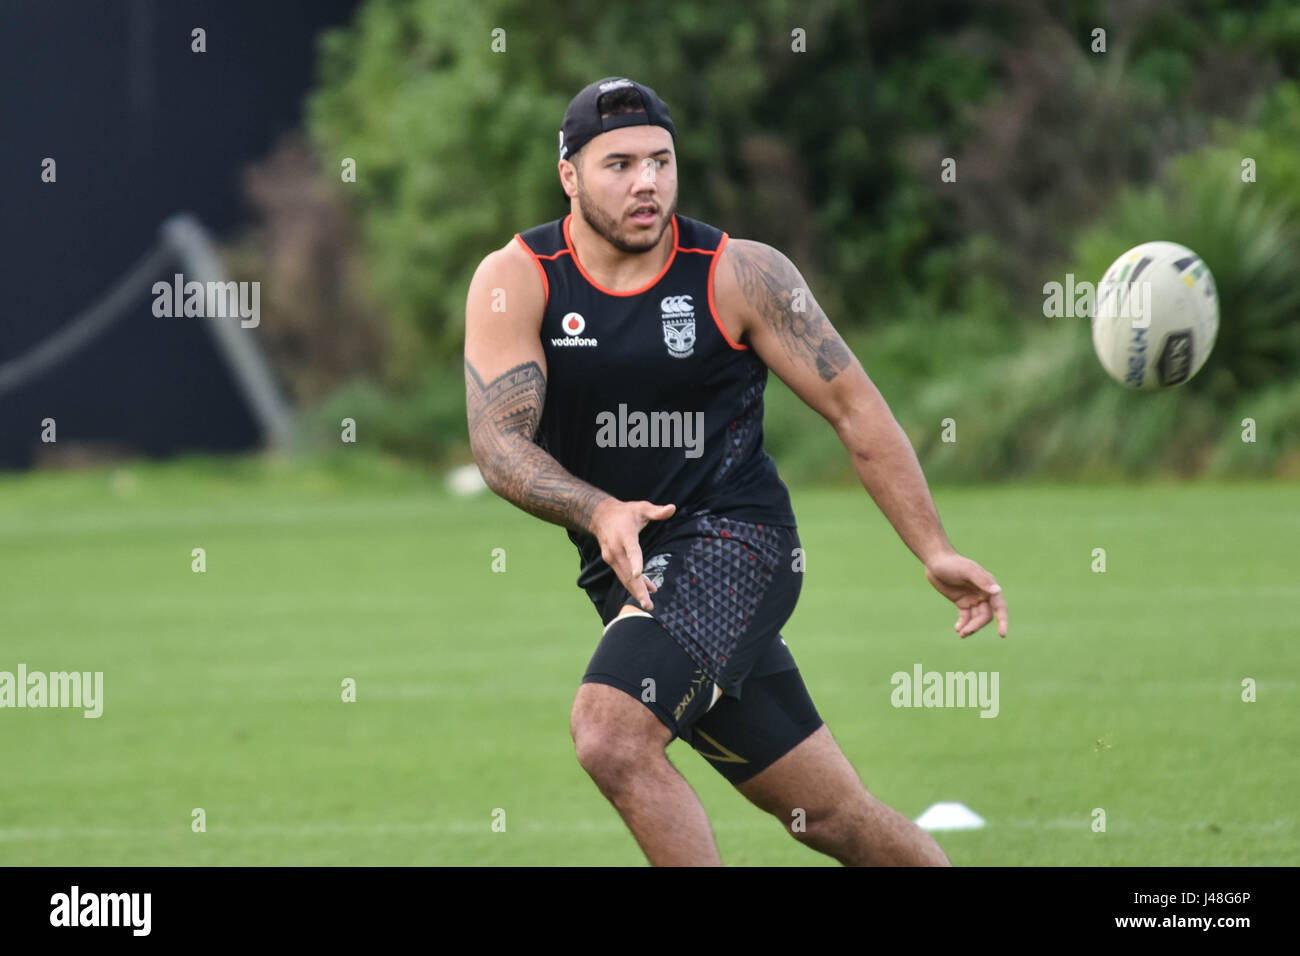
(775, 290)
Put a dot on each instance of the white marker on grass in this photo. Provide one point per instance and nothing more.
(466, 480)
(950, 816)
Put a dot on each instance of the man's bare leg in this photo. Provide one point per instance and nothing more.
(620, 743)
(840, 818)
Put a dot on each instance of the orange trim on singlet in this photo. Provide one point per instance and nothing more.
(546, 286)
(715, 253)
(649, 285)
(717, 257)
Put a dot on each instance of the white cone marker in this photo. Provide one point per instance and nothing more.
(950, 816)
(466, 480)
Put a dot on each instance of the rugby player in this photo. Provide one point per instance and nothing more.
(615, 362)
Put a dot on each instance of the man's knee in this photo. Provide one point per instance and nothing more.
(611, 758)
(615, 736)
(817, 825)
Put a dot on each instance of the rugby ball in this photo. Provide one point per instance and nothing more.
(1155, 316)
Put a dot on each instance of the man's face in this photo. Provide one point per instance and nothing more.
(627, 186)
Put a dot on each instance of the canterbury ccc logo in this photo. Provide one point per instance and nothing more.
(676, 305)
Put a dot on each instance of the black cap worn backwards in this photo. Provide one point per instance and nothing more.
(583, 122)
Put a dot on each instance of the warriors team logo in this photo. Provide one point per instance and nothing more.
(654, 569)
(679, 324)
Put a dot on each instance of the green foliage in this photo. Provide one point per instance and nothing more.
(1251, 248)
(423, 421)
(455, 144)
(1275, 412)
(1045, 407)
(434, 130)
(1065, 159)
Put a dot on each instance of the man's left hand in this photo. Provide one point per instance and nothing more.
(976, 594)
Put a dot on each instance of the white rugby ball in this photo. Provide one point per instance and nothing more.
(1155, 316)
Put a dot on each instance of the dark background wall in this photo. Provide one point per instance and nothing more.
(141, 128)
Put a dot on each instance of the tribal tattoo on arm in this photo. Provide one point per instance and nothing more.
(503, 418)
(769, 282)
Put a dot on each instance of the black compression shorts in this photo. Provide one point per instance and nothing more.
(709, 660)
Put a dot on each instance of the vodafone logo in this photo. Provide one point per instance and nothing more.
(573, 325)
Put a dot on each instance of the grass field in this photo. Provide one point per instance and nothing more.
(222, 690)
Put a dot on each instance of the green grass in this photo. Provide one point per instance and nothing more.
(1119, 690)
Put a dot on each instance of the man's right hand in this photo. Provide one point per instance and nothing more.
(617, 526)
